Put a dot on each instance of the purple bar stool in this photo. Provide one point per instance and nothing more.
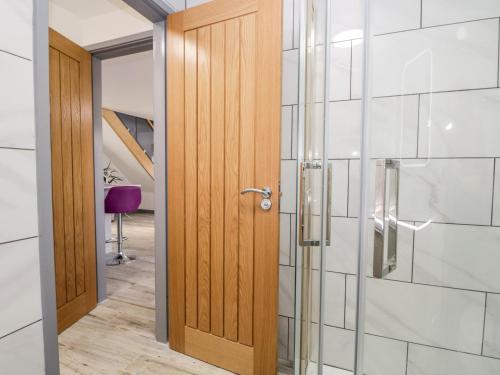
(121, 200)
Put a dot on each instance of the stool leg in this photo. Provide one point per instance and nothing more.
(120, 256)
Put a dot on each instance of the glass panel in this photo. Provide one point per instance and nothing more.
(311, 185)
(434, 110)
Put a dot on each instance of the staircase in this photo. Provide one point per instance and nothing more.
(136, 133)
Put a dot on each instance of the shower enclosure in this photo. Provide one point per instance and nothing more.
(398, 256)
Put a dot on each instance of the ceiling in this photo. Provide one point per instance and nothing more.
(90, 8)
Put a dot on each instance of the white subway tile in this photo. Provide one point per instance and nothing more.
(288, 24)
(290, 84)
(459, 256)
(340, 185)
(282, 337)
(291, 339)
(17, 116)
(16, 27)
(354, 187)
(395, 15)
(295, 125)
(345, 129)
(21, 353)
(19, 213)
(357, 69)
(454, 57)
(334, 299)
(346, 19)
(382, 356)
(439, 12)
(286, 291)
(286, 132)
(460, 124)
(496, 197)
(285, 239)
(296, 23)
(20, 301)
(443, 317)
(394, 124)
(446, 190)
(492, 326)
(340, 75)
(293, 238)
(288, 186)
(423, 360)
(342, 255)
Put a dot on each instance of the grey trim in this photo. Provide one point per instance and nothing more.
(300, 157)
(100, 235)
(44, 184)
(122, 46)
(153, 10)
(363, 241)
(160, 169)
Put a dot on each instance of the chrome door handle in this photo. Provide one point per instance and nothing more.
(386, 218)
(266, 192)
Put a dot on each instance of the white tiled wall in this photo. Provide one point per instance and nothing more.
(21, 338)
(437, 296)
(435, 106)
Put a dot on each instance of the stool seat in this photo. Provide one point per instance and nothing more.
(121, 200)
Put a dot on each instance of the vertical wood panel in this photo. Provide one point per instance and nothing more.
(73, 179)
(248, 201)
(232, 124)
(67, 167)
(267, 167)
(204, 179)
(77, 176)
(57, 177)
(176, 182)
(191, 176)
(217, 180)
(88, 193)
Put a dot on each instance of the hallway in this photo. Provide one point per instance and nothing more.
(118, 336)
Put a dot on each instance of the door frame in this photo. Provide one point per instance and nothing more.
(156, 11)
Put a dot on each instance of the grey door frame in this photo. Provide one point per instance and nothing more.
(156, 11)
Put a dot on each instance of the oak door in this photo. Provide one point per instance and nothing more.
(224, 96)
(72, 179)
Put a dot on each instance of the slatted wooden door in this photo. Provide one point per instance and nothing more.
(72, 179)
(224, 92)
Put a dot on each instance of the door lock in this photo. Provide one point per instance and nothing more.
(266, 193)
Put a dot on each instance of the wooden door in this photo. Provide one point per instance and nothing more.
(224, 96)
(72, 179)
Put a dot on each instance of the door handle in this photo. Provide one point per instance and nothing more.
(266, 192)
(304, 166)
(385, 242)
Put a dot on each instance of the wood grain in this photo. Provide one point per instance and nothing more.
(217, 11)
(219, 351)
(217, 180)
(77, 176)
(232, 194)
(72, 165)
(57, 177)
(267, 167)
(67, 167)
(191, 176)
(176, 182)
(204, 179)
(247, 202)
(128, 140)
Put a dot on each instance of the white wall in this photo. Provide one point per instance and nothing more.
(94, 21)
(127, 84)
(21, 338)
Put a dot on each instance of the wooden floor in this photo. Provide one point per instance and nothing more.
(118, 336)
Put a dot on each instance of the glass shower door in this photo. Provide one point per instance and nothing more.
(430, 296)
